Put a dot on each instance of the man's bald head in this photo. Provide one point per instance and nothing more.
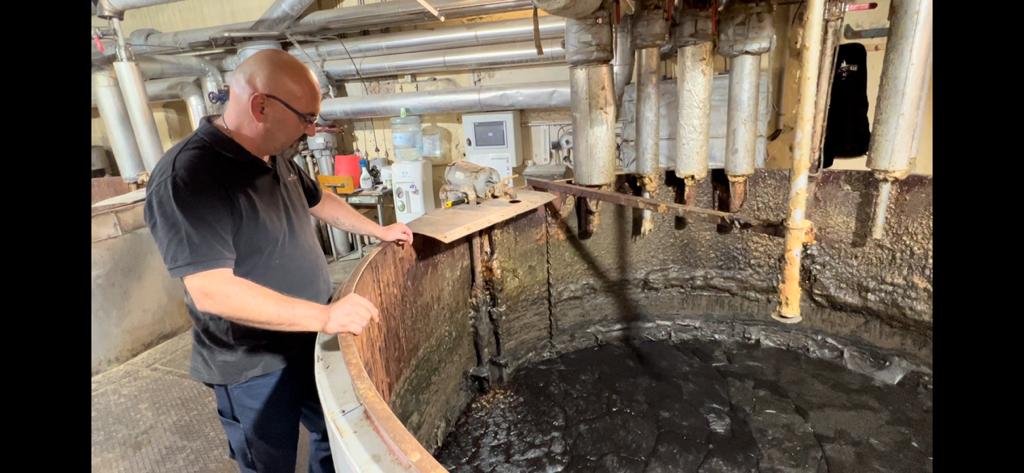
(273, 96)
(276, 72)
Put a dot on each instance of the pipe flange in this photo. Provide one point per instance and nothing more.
(792, 319)
(322, 141)
(893, 175)
(107, 11)
(694, 28)
(743, 30)
(589, 41)
(650, 30)
(569, 8)
(804, 230)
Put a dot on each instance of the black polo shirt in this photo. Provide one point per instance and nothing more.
(212, 204)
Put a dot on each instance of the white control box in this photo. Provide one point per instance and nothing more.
(492, 140)
(413, 189)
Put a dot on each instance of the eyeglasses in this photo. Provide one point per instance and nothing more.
(307, 118)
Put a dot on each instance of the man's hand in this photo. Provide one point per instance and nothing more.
(349, 314)
(396, 232)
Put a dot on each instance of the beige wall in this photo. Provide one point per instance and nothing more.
(173, 123)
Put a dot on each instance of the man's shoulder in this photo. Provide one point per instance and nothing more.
(193, 158)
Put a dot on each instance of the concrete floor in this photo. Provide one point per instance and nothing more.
(149, 416)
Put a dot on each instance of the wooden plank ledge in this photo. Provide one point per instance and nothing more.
(448, 225)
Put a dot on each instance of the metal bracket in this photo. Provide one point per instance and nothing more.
(850, 33)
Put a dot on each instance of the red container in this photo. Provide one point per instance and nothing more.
(347, 165)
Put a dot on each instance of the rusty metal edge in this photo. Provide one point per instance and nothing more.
(392, 431)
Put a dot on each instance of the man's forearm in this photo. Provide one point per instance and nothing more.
(337, 213)
(222, 293)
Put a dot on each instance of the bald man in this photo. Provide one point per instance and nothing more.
(229, 210)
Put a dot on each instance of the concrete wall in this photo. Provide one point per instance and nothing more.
(872, 293)
(135, 302)
(866, 304)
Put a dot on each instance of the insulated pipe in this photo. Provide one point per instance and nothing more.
(798, 228)
(647, 126)
(900, 95)
(469, 34)
(924, 103)
(161, 67)
(569, 8)
(588, 46)
(125, 5)
(373, 16)
(117, 125)
(593, 124)
(741, 131)
(537, 95)
(281, 15)
(141, 116)
(116, 8)
(622, 64)
(694, 72)
(649, 34)
(446, 60)
(692, 38)
(745, 34)
(179, 88)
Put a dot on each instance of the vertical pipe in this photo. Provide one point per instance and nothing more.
(622, 64)
(647, 126)
(881, 206)
(745, 32)
(588, 50)
(593, 124)
(902, 87)
(194, 102)
(650, 30)
(323, 147)
(797, 227)
(117, 125)
(834, 13)
(741, 131)
(136, 101)
(694, 72)
(900, 93)
(916, 140)
(121, 50)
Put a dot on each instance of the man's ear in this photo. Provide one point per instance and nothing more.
(258, 107)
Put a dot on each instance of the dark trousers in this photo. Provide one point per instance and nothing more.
(261, 419)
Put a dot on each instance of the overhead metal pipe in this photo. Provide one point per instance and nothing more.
(449, 37)
(500, 55)
(162, 67)
(180, 88)
(538, 95)
(363, 17)
(281, 15)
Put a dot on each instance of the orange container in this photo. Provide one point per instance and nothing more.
(347, 165)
